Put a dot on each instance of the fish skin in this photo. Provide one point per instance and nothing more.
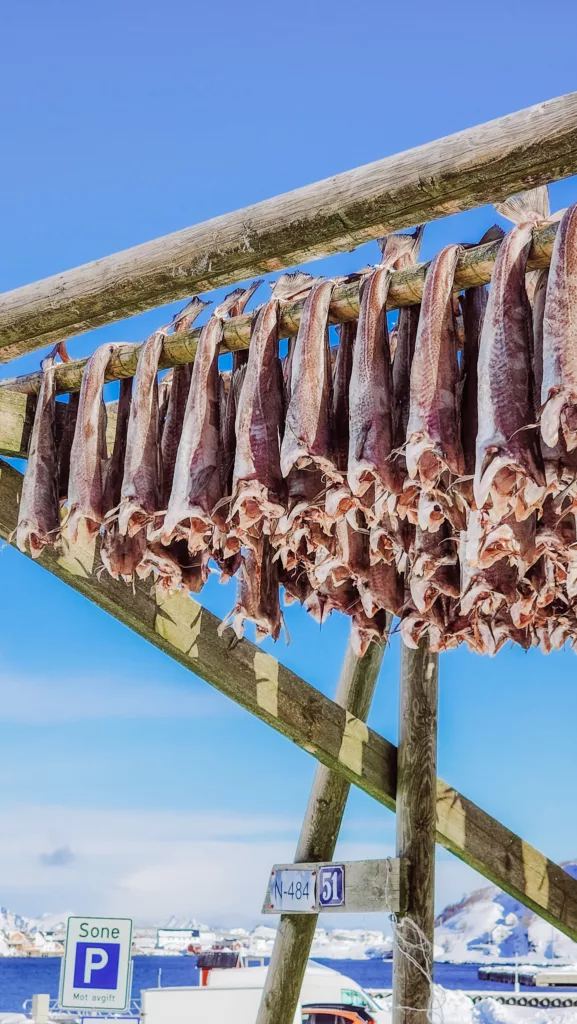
(228, 406)
(174, 567)
(306, 450)
(559, 386)
(434, 429)
(141, 484)
(473, 305)
(382, 589)
(365, 630)
(172, 417)
(65, 445)
(121, 554)
(172, 426)
(342, 373)
(258, 594)
(307, 433)
(339, 499)
(371, 439)
(407, 327)
(400, 249)
(115, 466)
(197, 485)
(88, 457)
(508, 464)
(259, 488)
(258, 485)
(38, 513)
(184, 319)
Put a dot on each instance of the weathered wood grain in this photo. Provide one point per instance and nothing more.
(317, 842)
(416, 818)
(474, 267)
(472, 167)
(258, 682)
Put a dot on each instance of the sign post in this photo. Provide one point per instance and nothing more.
(349, 887)
(95, 971)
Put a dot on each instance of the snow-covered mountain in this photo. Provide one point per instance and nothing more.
(489, 924)
(11, 922)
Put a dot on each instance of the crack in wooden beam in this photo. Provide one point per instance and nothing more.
(254, 679)
(474, 267)
(479, 165)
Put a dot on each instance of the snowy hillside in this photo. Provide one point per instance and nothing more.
(489, 924)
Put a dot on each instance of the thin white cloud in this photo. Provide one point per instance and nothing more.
(151, 864)
(34, 701)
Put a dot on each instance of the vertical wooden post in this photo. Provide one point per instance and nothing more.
(416, 819)
(317, 842)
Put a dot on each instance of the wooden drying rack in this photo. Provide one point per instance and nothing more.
(481, 165)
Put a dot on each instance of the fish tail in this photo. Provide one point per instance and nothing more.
(532, 204)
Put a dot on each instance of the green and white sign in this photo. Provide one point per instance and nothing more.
(96, 967)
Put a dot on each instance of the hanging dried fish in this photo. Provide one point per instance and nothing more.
(508, 469)
(88, 458)
(229, 397)
(559, 387)
(142, 482)
(121, 554)
(434, 428)
(406, 336)
(339, 499)
(180, 377)
(38, 514)
(197, 485)
(473, 304)
(65, 445)
(258, 594)
(371, 462)
(258, 485)
(307, 439)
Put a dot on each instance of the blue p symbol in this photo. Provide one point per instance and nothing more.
(96, 965)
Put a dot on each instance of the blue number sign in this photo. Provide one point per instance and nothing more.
(332, 886)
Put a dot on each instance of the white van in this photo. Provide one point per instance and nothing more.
(236, 997)
(202, 1006)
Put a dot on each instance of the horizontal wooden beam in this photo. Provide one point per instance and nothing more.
(472, 167)
(187, 632)
(474, 267)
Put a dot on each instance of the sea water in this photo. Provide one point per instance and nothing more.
(21, 977)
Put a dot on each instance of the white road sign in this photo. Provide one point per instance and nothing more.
(95, 971)
(292, 891)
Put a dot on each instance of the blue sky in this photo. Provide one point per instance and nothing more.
(125, 120)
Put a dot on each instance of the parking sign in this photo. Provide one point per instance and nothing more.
(95, 971)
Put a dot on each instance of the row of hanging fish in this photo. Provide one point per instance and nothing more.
(429, 471)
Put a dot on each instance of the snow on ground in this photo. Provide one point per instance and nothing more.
(490, 1012)
(456, 1008)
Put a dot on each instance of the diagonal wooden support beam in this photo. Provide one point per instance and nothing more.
(467, 169)
(258, 682)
